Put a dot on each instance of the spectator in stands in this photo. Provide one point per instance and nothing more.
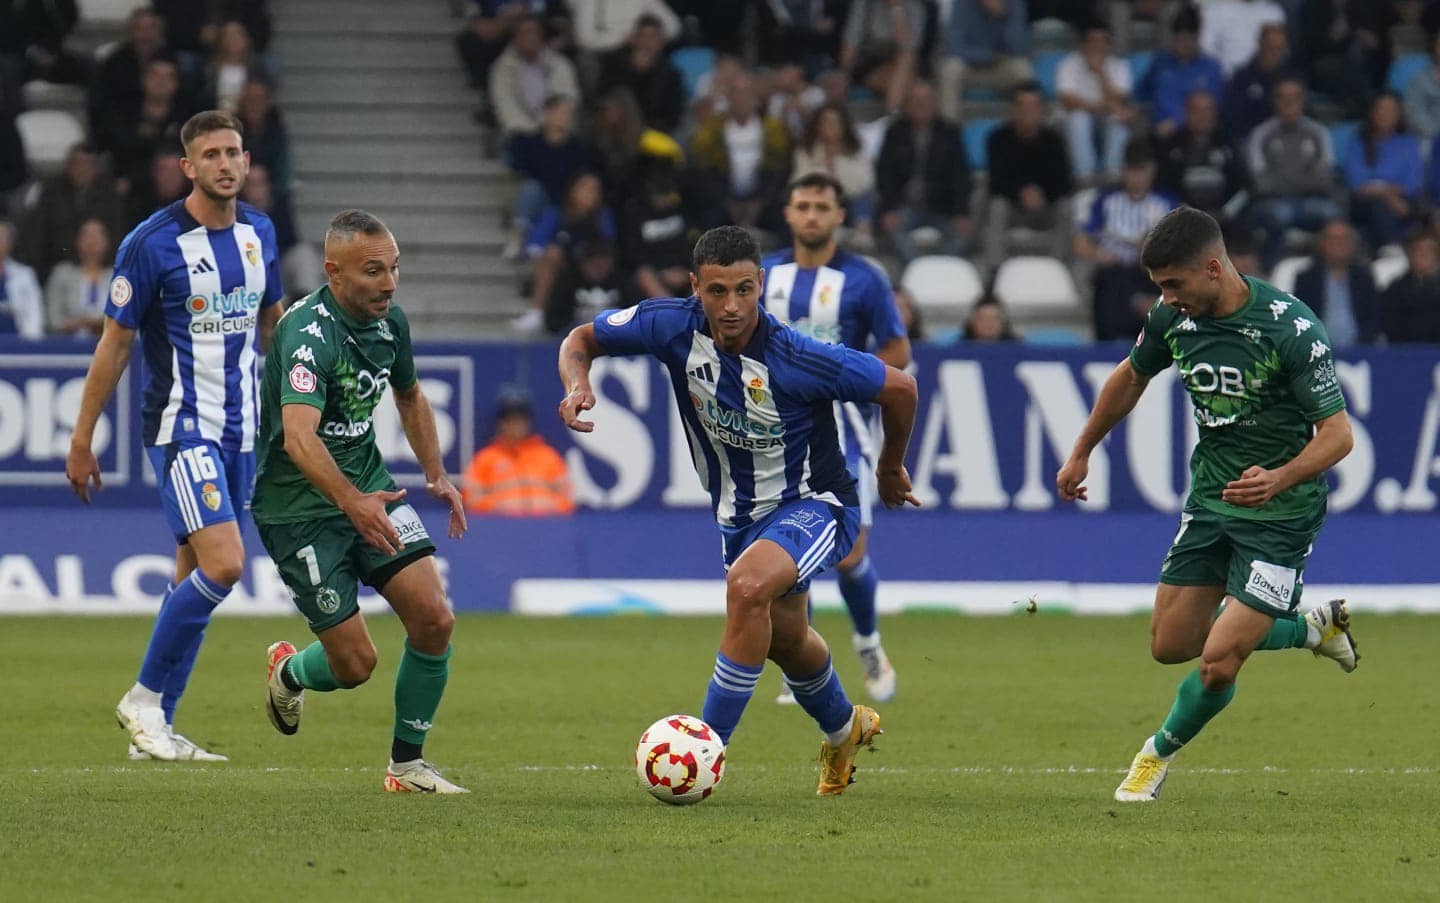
(192, 28)
(923, 178)
(78, 287)
(133, 134)
(266, 138)
(116, 84)
(80, 191)
(231, 67)
(518, 474)
(742, 160)
(22, 312)
(1094, 89)
(910, 316)
(1346, 49)
(1340, 289)
(1198, 163)
(1110, 240)
(548, 160)
(32, 41)
(582, 218)
(793, 100)
(525, 75)
(880, 46)
(1030, 178)
(988, 322)
(1248, 97)
(1410, 306)
(1240, 245)
(654, 234)
(985, 44)
(712, 88)
(1177, 73)
(603, 25)
(487, 31)
(589, 280)
(621, 140)
(164, 183)
(1422, 97)
(831, 145)
(1385, 173)
(803, 31)
(1230, 29)
(642, 67)
(302, 266)
(1292, 167)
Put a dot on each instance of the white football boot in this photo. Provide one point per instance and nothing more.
(1332, 622)
(187, 750)
(879, 675)
(1146, 777)
(146, 725)
(418, 776)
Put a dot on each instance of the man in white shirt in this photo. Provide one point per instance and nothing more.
(22, 309)
(1094, 89)
(604, 25)
(1230, 29)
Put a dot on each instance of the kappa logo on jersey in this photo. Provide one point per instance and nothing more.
(314, 329)
(121, 291)
(322, 311)
(704, 373)
(1277, 308)
(303, 353)
(1186, 325)
(204, 266)
(1318, 349)
(621, 317)
(301, 379)
(1301, 324)
(252, 253)
(210, 495)
(756, 390)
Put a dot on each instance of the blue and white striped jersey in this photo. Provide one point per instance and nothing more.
(761, 423)
(195, 295)
(845, 302)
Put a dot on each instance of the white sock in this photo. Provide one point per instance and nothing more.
(867, 642)
(140, 695)
(840, 736)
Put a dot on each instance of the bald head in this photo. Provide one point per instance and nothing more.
(362, 262)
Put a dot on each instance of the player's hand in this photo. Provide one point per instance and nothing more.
(372, 521)
(894, 487)
(1255, 487)
(80, 469)
(579, 399)
(446, 492)
(1070, 479)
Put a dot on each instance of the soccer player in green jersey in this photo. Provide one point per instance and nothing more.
(1257, 364)
(327, 509)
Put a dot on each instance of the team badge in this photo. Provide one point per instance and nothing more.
(621, 317)
(301, 379)
(120, 291)
(383, 327)
(252, 253)
(210, 496)
(327, 600)
(756, 390)
(827, 294)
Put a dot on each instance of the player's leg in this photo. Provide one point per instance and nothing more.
(856, 574)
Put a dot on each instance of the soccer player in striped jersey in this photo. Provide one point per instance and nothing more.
(842, 298)
(198, 281)
(757, 400)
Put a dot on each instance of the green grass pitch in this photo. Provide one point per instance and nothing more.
(992, 781)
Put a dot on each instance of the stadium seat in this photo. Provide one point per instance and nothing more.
(1036, 288)
(1386, 270)
(1287, 271)
(1341, 134)
(108, 12)
(42, 95)
(1046, 65)
(1403, 71)
(47, 136)
(976, 133)
(944, 287)
(693, 63)
(1139, 65)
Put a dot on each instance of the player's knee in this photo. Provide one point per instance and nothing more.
(224, 569)
(431, 632)
(1219, 674)
(746, 594)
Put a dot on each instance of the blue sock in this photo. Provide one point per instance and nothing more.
(181, 619)
(857, 588)
(179, 677)
(731, 687)
(822, 697)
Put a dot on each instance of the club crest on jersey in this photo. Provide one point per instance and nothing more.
(301, 379)
(383, 327)
(252, 254)
(210, 495)
(621, 317)
(121, 291)
(756, 390)
(826, 296)
(327, 600)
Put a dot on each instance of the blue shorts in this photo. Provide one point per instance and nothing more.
(200, 485)
(815, 534)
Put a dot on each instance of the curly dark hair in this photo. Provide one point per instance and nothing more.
(723, 246)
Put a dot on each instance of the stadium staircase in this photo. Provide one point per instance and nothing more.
(379, 116)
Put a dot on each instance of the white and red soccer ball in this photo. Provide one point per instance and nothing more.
(680, 760)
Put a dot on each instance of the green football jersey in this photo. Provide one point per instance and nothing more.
(324, 358)
(1259, 379)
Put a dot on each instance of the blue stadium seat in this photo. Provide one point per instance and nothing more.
(693, 63)
(976, 132)
(1046, 65)
(1403, 71)
(1341, 134)
(1139, 65)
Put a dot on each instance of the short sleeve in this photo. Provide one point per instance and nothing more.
(819, 371)
(306, 363)
(642, 329)
(1310, 366)
(135, 285)
(274, 283)
(882, 316)
(1151, 353)
(402, 372)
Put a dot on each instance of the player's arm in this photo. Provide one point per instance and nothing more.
(898, 399)
(269, 316)
(1118, 397)
(112, 356)
(896, 352)
(577, 353)
(366, 510)
(418, 420)
(1330, 444)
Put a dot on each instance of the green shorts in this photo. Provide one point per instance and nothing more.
(1259, 562)
(323, 561)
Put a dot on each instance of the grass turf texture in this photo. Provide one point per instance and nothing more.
(993, 779)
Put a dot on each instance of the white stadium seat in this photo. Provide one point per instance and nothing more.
(1387, 269)
(1287, 271)
(944, 287)
(1037, 288)
(108, 12)
(48, 136)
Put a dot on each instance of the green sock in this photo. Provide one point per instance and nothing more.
(1194, 707)
(1288, 632)
(311, 669)
(419, 684)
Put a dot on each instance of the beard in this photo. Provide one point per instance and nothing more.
(816, 243)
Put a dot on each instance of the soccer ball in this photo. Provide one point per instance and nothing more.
(680, 760)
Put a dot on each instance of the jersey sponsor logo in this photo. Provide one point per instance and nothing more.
(407, 525)
(621, 317)
(236, 301)
(1301, 324)
(756, 390)
(1318, 350)
(252, 254)
(829, 333)
(1273, 583)
(327, 599)
(313, 328)
(735, 429)
(210, 495)
(350, 430)
(1208, 379)
(223, 326)
(301, 379)
(121, 291)
(204, 266)
(303, 353)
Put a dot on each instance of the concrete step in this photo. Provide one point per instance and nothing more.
(331, 123)
(416, 222)
(345, 24)
(437, 153)
(380, 161)
(377, 86)
(333, 88)
(375, 51)
(471, 194)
